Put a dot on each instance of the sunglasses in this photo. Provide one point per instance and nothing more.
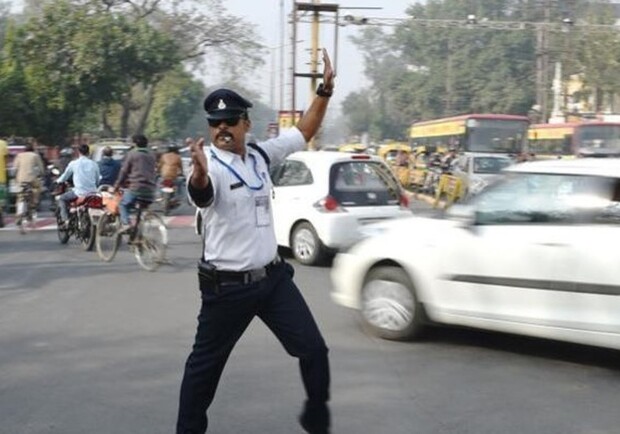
(231, 122)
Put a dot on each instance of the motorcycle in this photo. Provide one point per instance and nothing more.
(168, 195)
(52, 173)
(84, 213)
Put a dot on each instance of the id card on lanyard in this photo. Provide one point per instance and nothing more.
(263, 216)
(261, 202)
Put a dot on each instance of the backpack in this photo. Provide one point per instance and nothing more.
(261, 151)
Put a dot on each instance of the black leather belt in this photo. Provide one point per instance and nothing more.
(226, 277)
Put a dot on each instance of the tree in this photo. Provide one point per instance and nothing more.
(422, 72)
(197, 35)
(78, 57)
(177, 99)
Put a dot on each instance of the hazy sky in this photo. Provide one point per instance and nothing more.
(265, 14)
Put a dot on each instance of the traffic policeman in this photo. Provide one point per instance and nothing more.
(240, 273)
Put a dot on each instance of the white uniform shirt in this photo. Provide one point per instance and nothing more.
(237, 227)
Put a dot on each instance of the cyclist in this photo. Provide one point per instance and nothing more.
(139, 171)
(84, 173)
(170, 167)
(29, 169)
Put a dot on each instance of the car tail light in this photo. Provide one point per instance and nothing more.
(404, 201)
(328, 204)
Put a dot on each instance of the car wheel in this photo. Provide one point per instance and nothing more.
(306, 246)
(389, 305)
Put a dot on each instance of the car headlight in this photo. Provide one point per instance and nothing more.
(476, 185)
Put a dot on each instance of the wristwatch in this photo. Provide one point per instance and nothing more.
(321, 91)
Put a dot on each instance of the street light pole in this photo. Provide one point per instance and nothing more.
(282, 31)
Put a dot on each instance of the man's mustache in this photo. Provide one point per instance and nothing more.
(224, 135)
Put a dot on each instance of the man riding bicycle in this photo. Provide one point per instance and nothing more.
(170, 168)
(29, 170)
(84, 173)
(139, 172)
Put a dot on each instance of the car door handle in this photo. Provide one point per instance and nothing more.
(552, 244)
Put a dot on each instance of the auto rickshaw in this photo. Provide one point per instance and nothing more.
(423, 159)
(397, 156)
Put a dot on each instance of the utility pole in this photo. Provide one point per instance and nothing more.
(313, 9)
(281, 105)
(449, 77)
(542, 63)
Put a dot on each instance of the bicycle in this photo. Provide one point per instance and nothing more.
(25, 209)
(147, 236)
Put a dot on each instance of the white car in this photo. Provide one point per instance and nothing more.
(477, 171)
(535, 254)
(321, 200)
(120, 149)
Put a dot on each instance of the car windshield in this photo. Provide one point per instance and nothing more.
(120, 152)
(549, 198)
(363, 183)
(490, 165)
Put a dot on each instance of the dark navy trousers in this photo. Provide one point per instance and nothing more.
(225, 313)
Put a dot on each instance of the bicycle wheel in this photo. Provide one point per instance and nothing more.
(151, 241)
(107, 237)
(87, 231)
(62, 231)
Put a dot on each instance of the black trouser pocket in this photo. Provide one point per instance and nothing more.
(207, 281)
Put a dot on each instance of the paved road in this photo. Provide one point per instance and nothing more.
(90, 347)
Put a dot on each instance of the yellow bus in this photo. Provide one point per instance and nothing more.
(487, 133)
(575, 139)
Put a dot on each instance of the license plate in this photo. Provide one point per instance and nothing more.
(167, 189)
(95, 212)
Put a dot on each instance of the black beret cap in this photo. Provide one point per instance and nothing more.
(224, 104)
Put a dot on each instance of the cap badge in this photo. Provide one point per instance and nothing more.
(221, 105)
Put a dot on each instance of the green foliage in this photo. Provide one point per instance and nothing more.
(72, 60)
(179, 96)
(424, 72)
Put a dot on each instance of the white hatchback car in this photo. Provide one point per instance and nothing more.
(321, 200)
(536, 254)
(477, 170)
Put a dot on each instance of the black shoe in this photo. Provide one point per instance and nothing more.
(310, 429)
(315, 421)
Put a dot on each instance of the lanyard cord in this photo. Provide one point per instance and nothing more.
(236, 175)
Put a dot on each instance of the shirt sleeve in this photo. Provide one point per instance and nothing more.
(124, 171)
(41, 166)
(200, 197)
(289, 141)
(68, 172)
